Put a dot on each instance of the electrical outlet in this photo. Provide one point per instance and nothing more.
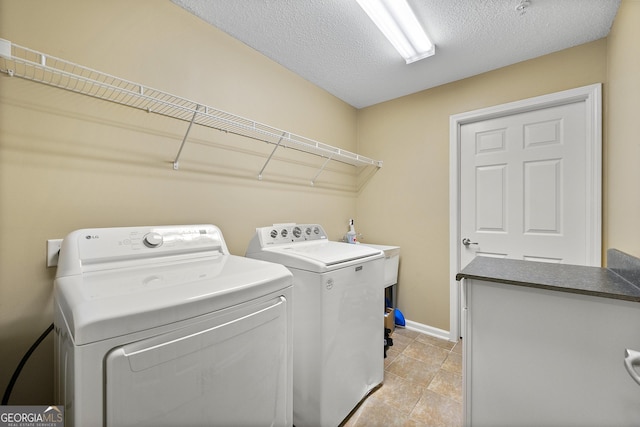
(53, 249)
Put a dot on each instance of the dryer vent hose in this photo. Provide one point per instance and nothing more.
(14, 377)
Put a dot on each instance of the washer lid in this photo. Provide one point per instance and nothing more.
(106, 304)
(319, 255)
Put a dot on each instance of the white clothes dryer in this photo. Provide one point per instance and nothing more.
(338, 319)
(161, 326)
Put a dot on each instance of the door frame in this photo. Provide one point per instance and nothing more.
(592, 96)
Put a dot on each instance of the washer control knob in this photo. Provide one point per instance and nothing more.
(152, 240)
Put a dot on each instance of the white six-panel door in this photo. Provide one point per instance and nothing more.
(523, 186)
(526, 183)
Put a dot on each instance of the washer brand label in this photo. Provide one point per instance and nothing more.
(358, 268)
(31, 416)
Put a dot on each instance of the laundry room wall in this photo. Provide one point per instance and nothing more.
(69, 161)
(622, 151)
(407, 202)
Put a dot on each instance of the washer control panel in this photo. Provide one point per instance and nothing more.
(290, 233)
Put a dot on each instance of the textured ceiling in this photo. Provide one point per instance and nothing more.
(333, 44)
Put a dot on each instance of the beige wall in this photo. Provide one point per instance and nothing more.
(407, 202)
(622, 142)
(69, 162)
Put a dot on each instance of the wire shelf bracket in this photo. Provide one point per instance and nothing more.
(28, 64)
(184, 140)
(313, 181)
(270, 156)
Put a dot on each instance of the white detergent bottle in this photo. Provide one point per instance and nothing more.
(351, 234)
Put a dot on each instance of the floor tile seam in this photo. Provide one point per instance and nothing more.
(436, 345)
(423, 386)
(445, 396)
(399, 344)
(400, 331)
(440, 394)
(398, 413)
(401, 350)
(434, 392)
(410, 411)
(404, 347)
(451, 372)
(430, 345)
(391, 359)
(419, 385)
(420, 423)
(458, 369)
(417, 420)
(406, 414)
(421, 361)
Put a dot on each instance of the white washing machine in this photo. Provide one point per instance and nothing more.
(338, 319)
(161, 326)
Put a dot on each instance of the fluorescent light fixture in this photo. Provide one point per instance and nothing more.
(398, 23)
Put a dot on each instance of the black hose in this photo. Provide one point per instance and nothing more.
(14, 378)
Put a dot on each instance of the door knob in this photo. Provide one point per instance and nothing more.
(466, 241)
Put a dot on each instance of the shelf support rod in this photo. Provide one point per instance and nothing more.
(313, 181)
(270, 156)
(175, 162)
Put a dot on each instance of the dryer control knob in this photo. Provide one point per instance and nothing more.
(152, 240)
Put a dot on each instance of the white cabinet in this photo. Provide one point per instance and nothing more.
(547, 358)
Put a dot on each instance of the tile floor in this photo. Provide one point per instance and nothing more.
(422, 385)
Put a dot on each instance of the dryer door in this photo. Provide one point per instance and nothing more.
(232, 369)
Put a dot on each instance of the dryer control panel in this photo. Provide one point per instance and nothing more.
(103, 248)
(289, 233)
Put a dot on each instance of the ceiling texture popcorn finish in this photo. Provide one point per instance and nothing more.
(334, 44)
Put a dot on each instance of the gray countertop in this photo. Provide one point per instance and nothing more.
(616, 283)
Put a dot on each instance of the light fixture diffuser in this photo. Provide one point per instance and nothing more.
(400, 26)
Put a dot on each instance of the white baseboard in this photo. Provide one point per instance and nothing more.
(428, 330)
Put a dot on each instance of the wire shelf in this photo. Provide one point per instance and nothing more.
(28, 64)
